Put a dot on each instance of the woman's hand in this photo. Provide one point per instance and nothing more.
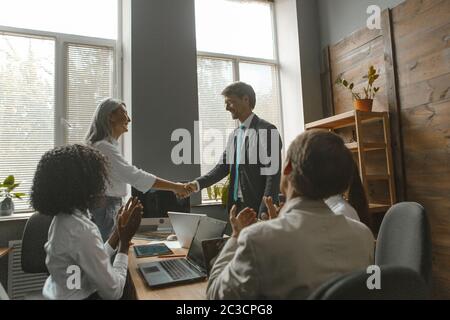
(244, 219)
(182, 190)
(128, 222)
(272, 209)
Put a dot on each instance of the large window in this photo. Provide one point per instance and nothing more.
(50, 82)
(235, 41)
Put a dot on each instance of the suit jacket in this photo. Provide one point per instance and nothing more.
(255, 183)
(290, 256)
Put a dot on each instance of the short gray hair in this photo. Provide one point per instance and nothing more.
(100, 128)
(322, 166)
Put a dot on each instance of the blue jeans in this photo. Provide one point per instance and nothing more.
(105, 216)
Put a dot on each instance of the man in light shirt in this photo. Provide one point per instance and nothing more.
(290, 255)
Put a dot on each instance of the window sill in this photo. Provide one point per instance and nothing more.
(17, 216)
(207, 203)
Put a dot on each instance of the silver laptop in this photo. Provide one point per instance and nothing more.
(184, 225)
(182, 270)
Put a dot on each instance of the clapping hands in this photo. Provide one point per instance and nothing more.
(129, 220)
(242, 220)
(272, 209)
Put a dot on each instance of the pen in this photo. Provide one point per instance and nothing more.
(173, 256)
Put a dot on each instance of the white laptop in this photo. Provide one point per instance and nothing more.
(185, 225)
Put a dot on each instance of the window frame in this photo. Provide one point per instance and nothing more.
(237, 59)
(62, 41)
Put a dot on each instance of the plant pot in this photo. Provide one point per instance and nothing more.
(6, 207)
(363, 104)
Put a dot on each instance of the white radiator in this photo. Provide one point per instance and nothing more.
(21, 284)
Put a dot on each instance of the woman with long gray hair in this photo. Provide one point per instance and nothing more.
(109, 123)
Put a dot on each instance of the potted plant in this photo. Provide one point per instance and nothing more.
(219, 190)
(366, 103)
(6, 192)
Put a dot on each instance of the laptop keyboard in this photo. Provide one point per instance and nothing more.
(176, 269)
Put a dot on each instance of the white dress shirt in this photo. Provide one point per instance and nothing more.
(289, 257)
(74, 240)
(339, 205)
(230, 147)
(121, 173)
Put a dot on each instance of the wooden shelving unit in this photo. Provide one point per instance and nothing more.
(358, 119)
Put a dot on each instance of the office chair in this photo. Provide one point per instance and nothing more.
(404, 239)
(35, 235)
(397, 283)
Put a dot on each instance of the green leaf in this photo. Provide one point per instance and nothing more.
(345, 83)
(224, 196)
(216, 192)
(12, 187)
(376, 89)
(209, 191)
(8, 181)
(19, 195)
(352, 85)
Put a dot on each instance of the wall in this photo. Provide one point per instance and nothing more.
(163, 83)
(309, 44)
(422, 41)
(339, 18)
(290, 69)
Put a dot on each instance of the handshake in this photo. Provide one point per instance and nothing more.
(184, 190)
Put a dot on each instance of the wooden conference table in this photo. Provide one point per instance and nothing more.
(138, 288)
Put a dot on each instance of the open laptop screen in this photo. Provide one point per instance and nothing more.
(207, 228)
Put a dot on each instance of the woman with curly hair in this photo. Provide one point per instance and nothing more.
(68, 181)
(110, 121)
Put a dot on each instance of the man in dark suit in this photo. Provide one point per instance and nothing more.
(252, 156)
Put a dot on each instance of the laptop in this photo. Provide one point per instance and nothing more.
(182, 270)
(184, 225)
(211, 250)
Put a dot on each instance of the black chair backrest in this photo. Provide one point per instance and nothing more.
(34, 237)
(404, 239)
(396, 283)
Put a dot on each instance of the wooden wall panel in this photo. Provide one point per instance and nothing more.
(421, 72)
(351, 59)
(422, 42)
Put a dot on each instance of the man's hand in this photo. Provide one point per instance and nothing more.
(192, 186)
(244, 219)
(181, 190)
(189, 188)
(273, 209)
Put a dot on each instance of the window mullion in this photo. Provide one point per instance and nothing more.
(60, 90)
(236, 75)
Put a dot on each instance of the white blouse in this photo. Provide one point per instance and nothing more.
(121, 173)
(74, 243)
